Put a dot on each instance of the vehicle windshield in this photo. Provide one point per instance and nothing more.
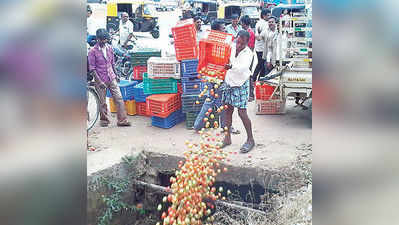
(252, 10)
(149, 9)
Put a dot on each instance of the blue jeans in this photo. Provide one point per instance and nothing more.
(214, 103)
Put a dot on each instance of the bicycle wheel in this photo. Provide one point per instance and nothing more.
(93, 107)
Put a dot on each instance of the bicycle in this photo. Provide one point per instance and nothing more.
(93, 105)
(123, 66)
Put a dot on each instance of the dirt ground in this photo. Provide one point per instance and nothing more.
(277, 139)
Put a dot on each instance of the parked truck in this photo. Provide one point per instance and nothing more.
(293, 76)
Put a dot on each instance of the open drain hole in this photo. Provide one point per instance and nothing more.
(251, 195)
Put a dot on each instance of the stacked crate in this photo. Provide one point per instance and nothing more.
(161, 82)
(126, 88)
(185, 40)
(165, 110)
(269, 99)
(139, 58)
(191, 84)
(140, 97)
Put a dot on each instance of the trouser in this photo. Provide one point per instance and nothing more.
(267, 70)
(199, 121)
(214, 104)
(117, 97)
(260, 67)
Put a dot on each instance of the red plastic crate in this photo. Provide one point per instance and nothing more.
(162, 105)
(221, 37)
(185, 53)
(185, 33)
(141, 109)
(213, 57)
(263, 91)
(138, 72)
(270, 107)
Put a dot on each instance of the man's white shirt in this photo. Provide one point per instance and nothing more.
(124, 30)
(239, 72)
(91, 26)
(261, 26)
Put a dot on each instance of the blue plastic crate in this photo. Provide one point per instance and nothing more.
(188, 85)
(138, 92)
(126, 88)
(189, 66)
(170, 121)
(190, 75)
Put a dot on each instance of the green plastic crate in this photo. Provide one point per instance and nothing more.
(190, 119)
(140, 56)
(159, 86)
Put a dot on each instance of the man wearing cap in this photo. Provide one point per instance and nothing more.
(101, 65)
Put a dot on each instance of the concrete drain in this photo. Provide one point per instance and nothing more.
(148, 174)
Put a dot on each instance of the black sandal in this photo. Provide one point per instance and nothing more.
(247, 146)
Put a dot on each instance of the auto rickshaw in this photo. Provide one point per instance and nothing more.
(206, 9)
(141, 14)
(226, 11)
(252, 10)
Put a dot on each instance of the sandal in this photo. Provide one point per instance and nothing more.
(247, 146)
(124, 124)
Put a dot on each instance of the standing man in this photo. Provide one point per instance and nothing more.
(245, 23)
(237, 89)
(200, 32)
(261, 26)
(125, 30)
(101, 66)
(91, 27)
(216, 102)
(270, 38)
(234, 27)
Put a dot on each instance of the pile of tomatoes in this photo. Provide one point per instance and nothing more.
(218, 73)
(193, 182)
